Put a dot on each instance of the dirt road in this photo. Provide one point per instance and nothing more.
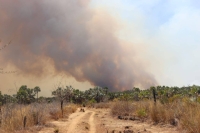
(78, 122)
(81, 120)
(100, 121)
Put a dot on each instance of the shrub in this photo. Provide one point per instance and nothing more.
(123, 108)
(141, 113)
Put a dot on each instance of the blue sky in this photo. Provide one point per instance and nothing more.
(170, 30)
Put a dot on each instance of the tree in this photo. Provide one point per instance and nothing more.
(98, 93)
(136, 92)
(62, 94)
(36, 90)
(1, 99)
(78, 96)
(194, 92)
(25, 95)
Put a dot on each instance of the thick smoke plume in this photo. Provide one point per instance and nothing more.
(71, 38)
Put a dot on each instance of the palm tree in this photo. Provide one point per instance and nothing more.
(36, 90)
(78, 96)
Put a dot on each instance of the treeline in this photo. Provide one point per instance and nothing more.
(98, 94)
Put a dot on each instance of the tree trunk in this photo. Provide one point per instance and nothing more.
(24, 122)
(37, 97)
(61, 104)
(154, 95)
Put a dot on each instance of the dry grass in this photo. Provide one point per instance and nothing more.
(12, 115)
(160, 113)
(56, 113)
(69, 109)
(182, 113)
(102, 105)
(123, 108)
(190, 119)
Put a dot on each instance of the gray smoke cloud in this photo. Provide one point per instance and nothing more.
(73, 39)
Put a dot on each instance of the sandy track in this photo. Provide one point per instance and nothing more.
(100, 121)
(78, 121)
(76, 117)
(91, 122)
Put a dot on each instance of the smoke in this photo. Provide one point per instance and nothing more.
(71, 38)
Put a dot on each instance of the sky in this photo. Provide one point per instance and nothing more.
(172, 25)
(87, 43)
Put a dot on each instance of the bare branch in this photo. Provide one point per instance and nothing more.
(5, 45)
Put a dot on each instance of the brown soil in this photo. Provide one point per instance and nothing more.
(100, 121)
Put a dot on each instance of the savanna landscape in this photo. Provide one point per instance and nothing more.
(99, 66)
(157, 109)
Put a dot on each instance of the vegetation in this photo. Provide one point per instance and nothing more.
(160, 104)
(63, 94)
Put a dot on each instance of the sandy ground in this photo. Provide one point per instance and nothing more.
(100, 121)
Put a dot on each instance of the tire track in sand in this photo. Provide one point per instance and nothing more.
(91, 123)
(78, 118)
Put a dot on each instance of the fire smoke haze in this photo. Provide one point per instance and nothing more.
(86, 41)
